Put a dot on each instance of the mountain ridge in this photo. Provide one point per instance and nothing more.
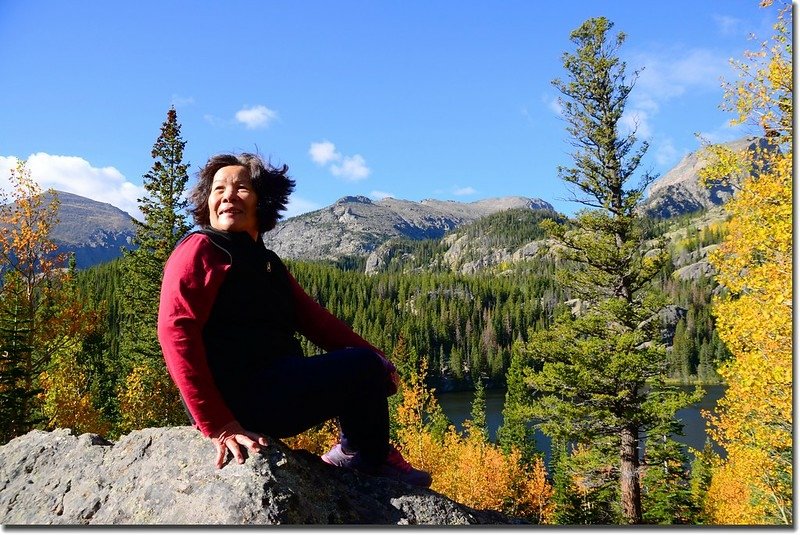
(357, 226)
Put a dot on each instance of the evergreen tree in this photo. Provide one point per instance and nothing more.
(16, 352)
(682, 352)
(165, 223)
(478, 427)
(565, 498)
(668, 497)
(517, 430)
(701, 471)
(599, 376)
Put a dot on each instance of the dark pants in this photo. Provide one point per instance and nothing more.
(293, 394)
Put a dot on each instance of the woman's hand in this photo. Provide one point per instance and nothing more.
(231, 438)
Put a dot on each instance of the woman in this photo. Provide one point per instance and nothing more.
(227, 320)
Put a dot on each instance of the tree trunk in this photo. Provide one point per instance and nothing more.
(629, 476)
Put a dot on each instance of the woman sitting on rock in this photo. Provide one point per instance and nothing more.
(227, 321)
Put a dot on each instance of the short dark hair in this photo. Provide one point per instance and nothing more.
(272, 186)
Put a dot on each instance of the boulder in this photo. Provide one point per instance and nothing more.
(166, 476)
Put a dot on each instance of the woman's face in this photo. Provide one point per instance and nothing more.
(232, 201)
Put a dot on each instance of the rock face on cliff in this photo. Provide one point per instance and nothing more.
(680, 191)
(166, 476)
(356, 226)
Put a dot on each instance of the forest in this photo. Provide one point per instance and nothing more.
(577, 335)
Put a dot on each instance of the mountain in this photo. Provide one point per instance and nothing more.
(356, 226)
(493, 242)
(94, 231)
(679, 191)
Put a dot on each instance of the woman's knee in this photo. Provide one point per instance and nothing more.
(370, 362)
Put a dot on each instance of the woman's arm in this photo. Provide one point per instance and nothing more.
(192, 277)
(330, 333)
(320, 326)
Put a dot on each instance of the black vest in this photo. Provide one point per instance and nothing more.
(252, 320)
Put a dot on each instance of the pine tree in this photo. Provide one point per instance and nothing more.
(599, 376)
(517, 430)
(477, 426)
(668, 497)
(165, 223)
(17, 389)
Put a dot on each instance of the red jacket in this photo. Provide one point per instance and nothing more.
(193, 276)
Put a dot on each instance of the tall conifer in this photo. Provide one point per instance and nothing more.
(165, 223)
(598, 376)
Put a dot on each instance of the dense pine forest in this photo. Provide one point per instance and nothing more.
(466, 325)
(590, 331)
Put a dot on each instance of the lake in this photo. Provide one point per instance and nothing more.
(458, 405)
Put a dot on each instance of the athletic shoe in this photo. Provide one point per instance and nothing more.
(393, 467)
(338, 457)
(396, 467)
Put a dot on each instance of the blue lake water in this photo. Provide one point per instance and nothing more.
(458, 405)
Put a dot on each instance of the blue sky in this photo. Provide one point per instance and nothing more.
(411, 99)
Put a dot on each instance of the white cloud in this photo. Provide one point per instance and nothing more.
(179, 101)
(464, 191)
(727, 25)
(75, 175)
(256, 117)
(555, 106)
(323, 153)
(672, 73)
(213, 120)
(636, 121)
(665, 153)
(724, 132)
(298, 205)
(352, 168)
(375, 194)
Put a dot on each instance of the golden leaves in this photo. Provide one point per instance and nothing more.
(753, 485)
(466, 467)
(67, 402)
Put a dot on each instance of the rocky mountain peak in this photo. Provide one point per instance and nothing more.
(356, 226)
(680, 191)
(348, 199)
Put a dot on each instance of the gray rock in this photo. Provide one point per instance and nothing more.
(166, 476)
(357, 226)
(680, 191)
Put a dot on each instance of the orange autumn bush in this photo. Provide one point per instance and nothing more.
(467, 467)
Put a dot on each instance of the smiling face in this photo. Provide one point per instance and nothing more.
(232, 201)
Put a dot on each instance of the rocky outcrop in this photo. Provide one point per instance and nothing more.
(357, 226)
(166, 476)
(680, 190)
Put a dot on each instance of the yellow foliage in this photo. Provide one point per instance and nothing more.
(753, 485)
(729, 500)
(317, 440)
(467, 468)
(67, 402)
(149, 398)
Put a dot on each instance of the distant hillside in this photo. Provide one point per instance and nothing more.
(356, 226)
(680, 192)
(94, 231)
(490, 243)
